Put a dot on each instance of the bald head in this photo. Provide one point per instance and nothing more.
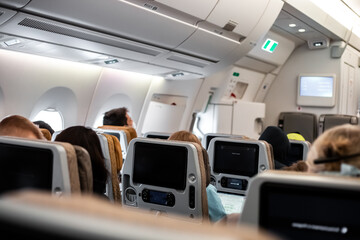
(18, 126)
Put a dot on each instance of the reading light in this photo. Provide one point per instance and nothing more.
(113, 61)
(317, 44)
(292, 25)
(301, 30)
(12, 42)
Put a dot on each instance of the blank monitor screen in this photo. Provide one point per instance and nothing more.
(295, 153)
(316, 86)
(305, 212)
(158, 136)
(160, 165)
(25, 167)
(236, 158)
(316, 90)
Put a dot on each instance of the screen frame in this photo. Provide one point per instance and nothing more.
(316, 101)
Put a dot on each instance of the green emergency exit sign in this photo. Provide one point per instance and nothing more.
(269, 45)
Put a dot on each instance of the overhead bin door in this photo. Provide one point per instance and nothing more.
(244, 14)
(5, 15)
(198, 8)
(14, 3)
(135, 20)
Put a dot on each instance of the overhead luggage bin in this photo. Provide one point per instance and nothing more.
(177, 38)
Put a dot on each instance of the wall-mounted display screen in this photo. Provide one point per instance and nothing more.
(316, 90)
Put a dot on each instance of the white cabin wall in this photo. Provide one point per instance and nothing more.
(186, 88)
(116, 89)
(350, 84)
(281, 96)
(26, 79)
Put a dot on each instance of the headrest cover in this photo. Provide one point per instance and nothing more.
(278, 140)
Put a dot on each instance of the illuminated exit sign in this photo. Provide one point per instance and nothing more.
(269, 45)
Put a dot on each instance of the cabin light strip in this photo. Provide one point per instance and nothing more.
(177, 20)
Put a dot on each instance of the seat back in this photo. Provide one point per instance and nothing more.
(304, 206)
(113, 161)
(303, 123)
(165, 177)
(327, 121)
(37, 164)
(123, 137)
(85, 169)
(298, 151)
(38, 216)
(130, 131)
(159, 135)
(234, 161)
(208, 136)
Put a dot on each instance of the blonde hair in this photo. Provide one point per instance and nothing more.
(190, 137)
(185, 136)
(343, 140)
(19, 126)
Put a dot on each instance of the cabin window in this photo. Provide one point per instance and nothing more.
(52, 117)
(99, 121)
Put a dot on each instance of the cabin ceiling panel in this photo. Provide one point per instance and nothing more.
(198, 8)
(244, 14)
(118, 18)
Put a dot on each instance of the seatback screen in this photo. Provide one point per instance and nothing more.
(157, 136)
(160, 165)
(305, 212)
(236, 158)
(25, 167)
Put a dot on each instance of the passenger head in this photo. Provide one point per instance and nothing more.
(18, 126)
(187, 136)
(88, 139)
(118, 117)
(335, 143)
(279, 142)
(42, 124)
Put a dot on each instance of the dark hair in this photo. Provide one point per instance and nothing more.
(88, 139)
(116, 117)
(43, 124)
(279, 142)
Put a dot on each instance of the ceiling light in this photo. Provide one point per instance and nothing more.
(301, 30)
(292, 25)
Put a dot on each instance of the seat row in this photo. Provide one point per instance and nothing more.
(309, 126)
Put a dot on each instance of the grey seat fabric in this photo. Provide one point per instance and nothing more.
(303, 123)
(327, 121)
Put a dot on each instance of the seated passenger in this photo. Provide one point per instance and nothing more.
(88, 139)
(336, 151)
(280, 144)
(216, 209)
(118, 117)
(18, 126)
(42, 124)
